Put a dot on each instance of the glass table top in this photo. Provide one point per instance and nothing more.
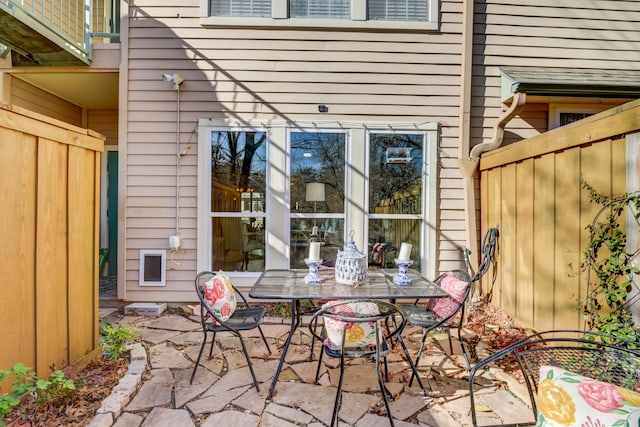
(290, 284)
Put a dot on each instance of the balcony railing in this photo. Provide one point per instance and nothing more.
(68, 24)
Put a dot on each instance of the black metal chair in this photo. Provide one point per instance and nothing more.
(357, 317)
(589, 354)
(244, 318)
(446, 313)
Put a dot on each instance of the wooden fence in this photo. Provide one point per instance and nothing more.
(532, 190)
(49, 223)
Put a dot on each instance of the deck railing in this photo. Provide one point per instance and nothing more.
(74, 21)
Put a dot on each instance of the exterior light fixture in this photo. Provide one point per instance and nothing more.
(176, 79)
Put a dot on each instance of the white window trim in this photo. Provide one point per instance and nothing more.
(279, 18)
(277, 201)
(556, 109)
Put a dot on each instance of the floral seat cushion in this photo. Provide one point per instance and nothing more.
(443, 307)
(358, 334)
(220, 297)
(569, 399)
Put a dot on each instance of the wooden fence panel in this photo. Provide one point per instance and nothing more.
(17, 256)
(533, 191)
(49, 225)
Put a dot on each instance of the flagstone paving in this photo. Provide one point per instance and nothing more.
(222, 394)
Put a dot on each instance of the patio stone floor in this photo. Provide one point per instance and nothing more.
(223, 394)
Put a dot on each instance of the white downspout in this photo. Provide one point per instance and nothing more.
(469, 166)
(466, 85)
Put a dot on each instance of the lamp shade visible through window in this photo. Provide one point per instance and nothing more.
(315, 192)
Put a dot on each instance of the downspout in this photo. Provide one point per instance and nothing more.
(466, 85)
(469, 166)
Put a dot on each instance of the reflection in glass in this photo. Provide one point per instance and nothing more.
(238, 170)
(395, 174)
(385, 238)
(317, 158)
(395, 196)
(330, 233)
(316, 194)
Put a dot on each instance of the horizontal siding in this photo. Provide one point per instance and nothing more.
(104, 122)
(573, 35)
(270, 73)
(34, 99)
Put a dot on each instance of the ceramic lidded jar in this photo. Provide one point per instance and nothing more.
(351, 265)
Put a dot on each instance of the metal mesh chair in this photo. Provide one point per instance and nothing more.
(351, 315)
(244, 318)
(430, 318)
(600, 357)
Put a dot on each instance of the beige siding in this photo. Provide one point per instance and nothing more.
(37, 100)
(271, 74)
(599, 34)
(106, 123)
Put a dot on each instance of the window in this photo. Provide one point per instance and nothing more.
(396, 200)
(393, 10)
(267, 190)
(317, 193)
(380, 14)
(336, 9)
(238, 174)
(563, 114)
(257, 8)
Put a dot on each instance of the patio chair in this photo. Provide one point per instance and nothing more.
(446, 313)
(244, 318)
(352, 330)
(582, 370)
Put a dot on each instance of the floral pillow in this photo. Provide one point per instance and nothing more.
(443, 307)
(220, 296)
(358, 334)
(568, 399)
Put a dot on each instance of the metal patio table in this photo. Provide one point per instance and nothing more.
(378, 284)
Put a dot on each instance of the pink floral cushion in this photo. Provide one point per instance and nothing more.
(569, 399)
(443, 307)
(220, 296)
(358, 334)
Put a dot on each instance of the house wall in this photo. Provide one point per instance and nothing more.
(271, 74)
(599, 34)
(32, 98)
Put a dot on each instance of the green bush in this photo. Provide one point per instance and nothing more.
(56, 387)
(114, 339)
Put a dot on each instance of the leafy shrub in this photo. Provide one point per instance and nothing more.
(114, 339)
(56, 387)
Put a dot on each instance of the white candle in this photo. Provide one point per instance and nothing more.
(314, 230)
(314, 251)
(405, 252)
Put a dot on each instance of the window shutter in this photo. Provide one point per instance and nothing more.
(398, 10)
(334, 9)
(256, 8)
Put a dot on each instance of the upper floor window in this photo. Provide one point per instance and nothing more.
(258, 8)
(381, 14)
(395, 10)
(336, 9)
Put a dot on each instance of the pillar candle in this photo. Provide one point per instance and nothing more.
(405, 252)
(314, 251)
